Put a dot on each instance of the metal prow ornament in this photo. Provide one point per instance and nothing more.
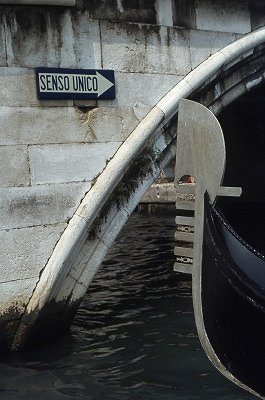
(200, 154)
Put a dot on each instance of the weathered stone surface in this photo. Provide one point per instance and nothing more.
(14, 296)
(143, 95)
(184, 13)
(119, 10)
(36, 125)
(3, 56)
(83, 268)
(66, 288)
(39, 205)
(161, 193)
(145, 48)
(7, 331)
(109, 123)
(257, 14)
(50, 322)
(69, 163)
(18, 89)
(80, 41)
(68, 38)
(203, 44)
(14, 166)
(164, 12)
(223, 16)
(27, 250)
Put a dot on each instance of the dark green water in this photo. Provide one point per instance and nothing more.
(134, 336)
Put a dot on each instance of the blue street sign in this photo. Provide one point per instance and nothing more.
(78, 84)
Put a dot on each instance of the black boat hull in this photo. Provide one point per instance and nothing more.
(233, 301)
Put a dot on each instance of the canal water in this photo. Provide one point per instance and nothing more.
(133, 338)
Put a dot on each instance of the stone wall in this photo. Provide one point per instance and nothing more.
(52, 151)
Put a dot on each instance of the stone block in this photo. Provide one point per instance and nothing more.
(66, 289)
(57, 37)
(83, 257)
(69, 163)
(122, 10)
(80, 36)
(254, 80)
(164, 12)
(184, 13)
(257, 14)
(85, 103)
(144, 95)
(65, 3)
(92, 264)
(14, 297)
(36, 125)
(39, 205)
(3, 56)
(205, 43)
(14, 166)
(223, 16)
(96, 246)
(107, 124)
(160, 193)
(234, 78)
(145, 48)
(18, 89)
(27, 250)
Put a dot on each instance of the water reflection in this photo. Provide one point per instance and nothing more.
(133, 338)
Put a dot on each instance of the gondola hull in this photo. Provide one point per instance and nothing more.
(233, 301)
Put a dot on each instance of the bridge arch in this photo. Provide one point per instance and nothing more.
(218, 81)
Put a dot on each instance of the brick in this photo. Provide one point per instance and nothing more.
(27, 250)
(14, 166)
(69, 163)
(145, 48)
(39, 205)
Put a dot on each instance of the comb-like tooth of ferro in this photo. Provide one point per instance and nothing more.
(184, 235)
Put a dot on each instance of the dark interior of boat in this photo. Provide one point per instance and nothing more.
(233, 274)
(233, 301)
(243, 124)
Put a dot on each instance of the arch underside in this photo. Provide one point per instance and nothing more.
(54, 315)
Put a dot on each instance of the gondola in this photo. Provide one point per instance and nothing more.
(228, 274)
(233, 299)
